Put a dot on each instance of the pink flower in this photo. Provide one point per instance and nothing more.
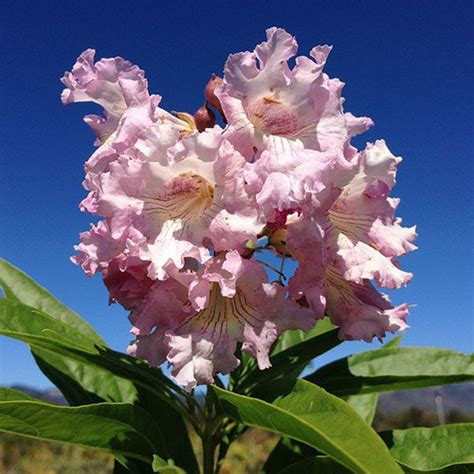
(272, 107)
(232, 303)
(289, 123)
(196, 200)
(365, 236)
(113, 83)
(186, 205)
(355, 241)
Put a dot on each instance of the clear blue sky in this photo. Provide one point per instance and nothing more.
(407, 64)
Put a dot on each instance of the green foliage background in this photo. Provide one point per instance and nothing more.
(120, 406)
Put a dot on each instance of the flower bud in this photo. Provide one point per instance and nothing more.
(209, 93)
(277, 240)
(204, 118)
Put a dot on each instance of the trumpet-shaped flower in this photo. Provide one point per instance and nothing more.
(232, 302)
(272, 107)
(357, 240)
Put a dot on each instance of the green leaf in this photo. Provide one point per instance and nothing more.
(290, 362)
(72, 383)
(10, 394)
(366, 404)
(289, 451)
(12, 314)
(39, 330)
(79, 383)
(82, 383)
(119, 428)
(430, 449)
(395, 342)
(309, 414)
(174, 429)
(83, 367)
(394, 369)
(19, 286)
(315, 464)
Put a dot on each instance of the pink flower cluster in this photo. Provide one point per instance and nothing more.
(187, 205)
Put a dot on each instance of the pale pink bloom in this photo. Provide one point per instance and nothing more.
(113, 83)
(164, 307)
(272, 107)
(196, 200)
(356, 241)
(359, 310)
(98, 248)
(210, 310)
(296, 179)
(237, 305)
(183, 211)
(364, 233)
(289, 123)
(131, 113)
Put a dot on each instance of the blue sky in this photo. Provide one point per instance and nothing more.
(407, 64)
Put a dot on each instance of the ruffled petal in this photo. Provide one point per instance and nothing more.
(252, 313)
(305, 242)
(367, 237)
(98, 247)
(153, 348)
(184, 212)
(202, 186)
(113, 83)
(290, 177)
(359, 261)
(360, 311)
(169, 253)
(263, 98)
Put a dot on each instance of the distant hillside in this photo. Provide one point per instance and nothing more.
(52, 395)
(453, 397)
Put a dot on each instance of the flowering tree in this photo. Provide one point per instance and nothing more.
(247, 248)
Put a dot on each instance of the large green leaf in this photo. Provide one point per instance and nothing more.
(431, 449)
(309, 414)
(103, 385)
(82, 383)
(79, 383)
(290, 451)
(40, 331)
(394, 369)
(77, 362)
(119, 428)
(10, 394)
(366, 404)
(174, 430)
(19, 286)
